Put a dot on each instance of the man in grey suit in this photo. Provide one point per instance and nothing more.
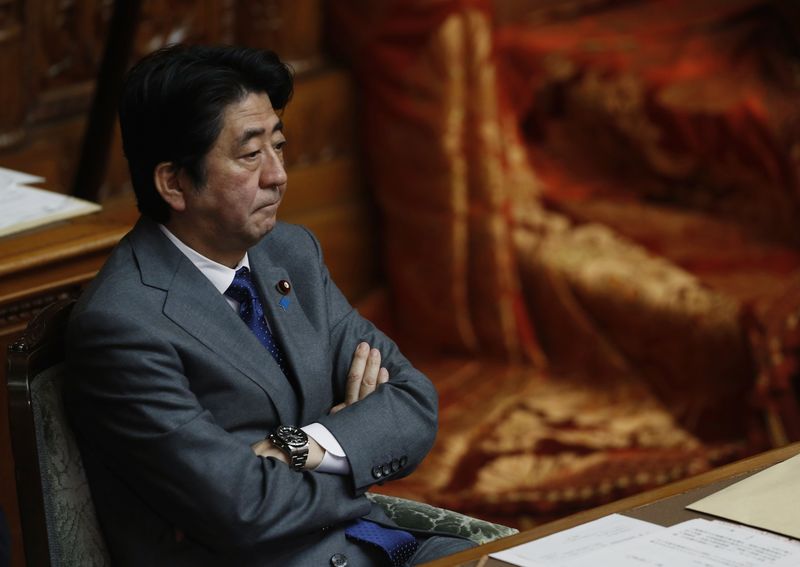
(232, 408)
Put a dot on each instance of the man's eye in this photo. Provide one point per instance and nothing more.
(252, 155)
(280, 146)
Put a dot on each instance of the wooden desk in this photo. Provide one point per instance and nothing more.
(663, 506)
(36, 268)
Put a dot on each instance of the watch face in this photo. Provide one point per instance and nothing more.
(293, 436)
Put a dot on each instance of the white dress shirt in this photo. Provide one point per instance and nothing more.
(221, 277)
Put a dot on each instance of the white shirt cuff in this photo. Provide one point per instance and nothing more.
(334, 461)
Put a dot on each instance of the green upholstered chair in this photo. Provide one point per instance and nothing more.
(59, 524)
(420, 516)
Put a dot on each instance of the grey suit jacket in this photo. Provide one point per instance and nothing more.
(169, 389)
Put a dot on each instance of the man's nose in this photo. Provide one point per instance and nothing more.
(273, 173)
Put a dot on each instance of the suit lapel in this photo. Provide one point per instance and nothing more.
(196, 306)
(300, 341)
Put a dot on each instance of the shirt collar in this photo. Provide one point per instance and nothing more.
(220, 276)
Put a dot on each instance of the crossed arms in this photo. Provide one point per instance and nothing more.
(365, 374)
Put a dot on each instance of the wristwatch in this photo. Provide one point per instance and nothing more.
(294, 442)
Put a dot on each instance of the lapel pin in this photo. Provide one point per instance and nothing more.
(283, 287)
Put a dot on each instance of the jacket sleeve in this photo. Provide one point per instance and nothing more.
(132, 405)
(386, 435)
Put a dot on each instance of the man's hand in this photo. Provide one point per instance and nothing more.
(265, 448)
(364, 376)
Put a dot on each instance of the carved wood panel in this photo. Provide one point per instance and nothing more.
(292, 28)
(66, 38)
(12, 101)
(50, 50)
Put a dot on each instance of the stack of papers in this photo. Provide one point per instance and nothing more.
(23, 207)
(619, 541)
(769, 500)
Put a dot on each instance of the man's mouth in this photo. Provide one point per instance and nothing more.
(266, 205)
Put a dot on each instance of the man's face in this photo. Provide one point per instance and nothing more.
(245, 182)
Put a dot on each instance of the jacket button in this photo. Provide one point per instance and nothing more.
(395, 465)
(386, 469)
(403, 461)
(376, 472)
(338, 560)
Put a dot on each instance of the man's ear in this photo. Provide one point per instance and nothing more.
(168, 184)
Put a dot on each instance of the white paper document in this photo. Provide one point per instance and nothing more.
(23, 207)
(769, 500)
(696, 543)
(9, 177)
(701, 543)
(561, 548)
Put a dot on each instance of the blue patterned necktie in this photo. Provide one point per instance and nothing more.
(251, 311)
(399, 545)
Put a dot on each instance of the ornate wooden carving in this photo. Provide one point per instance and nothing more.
(13, 107)
(67, 39)
(170, 21)
(50, 50)
(320, 118)
(23, 311)
(292, 28)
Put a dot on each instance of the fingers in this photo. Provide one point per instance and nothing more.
(356, 374)
(370, 378)
(265, 448)
(364, 376)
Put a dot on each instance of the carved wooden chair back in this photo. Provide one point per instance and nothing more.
(59, 526)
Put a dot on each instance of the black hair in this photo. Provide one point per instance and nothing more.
(173, 103)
